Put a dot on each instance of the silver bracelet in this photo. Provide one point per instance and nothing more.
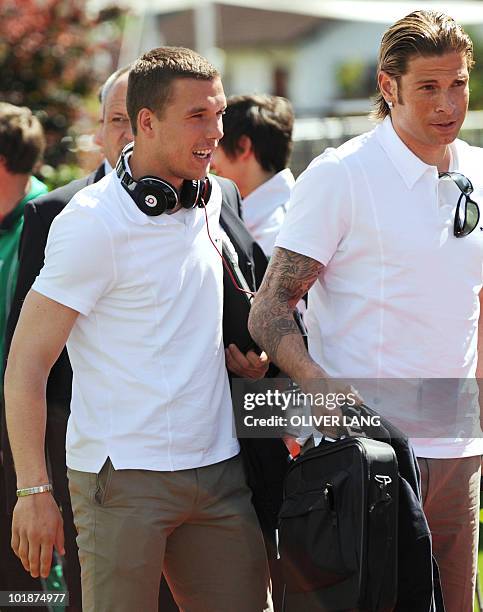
(32, 490)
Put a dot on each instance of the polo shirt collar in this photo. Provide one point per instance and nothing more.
(267, 197)
(278, 187)
(410, 166)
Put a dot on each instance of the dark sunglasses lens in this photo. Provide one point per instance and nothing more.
(464, 184)
(472, 216)
(460, 216)
(470, 221)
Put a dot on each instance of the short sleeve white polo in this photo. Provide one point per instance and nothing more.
(150, 388)
(398, 298)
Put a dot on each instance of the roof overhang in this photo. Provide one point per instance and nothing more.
(375, 11)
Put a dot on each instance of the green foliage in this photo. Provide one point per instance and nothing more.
(476, 77)
(63, 174)
(47, 51)
(356, 79)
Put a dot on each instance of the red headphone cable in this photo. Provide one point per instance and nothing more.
(227, 267)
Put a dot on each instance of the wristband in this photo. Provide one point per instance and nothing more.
(32, 490)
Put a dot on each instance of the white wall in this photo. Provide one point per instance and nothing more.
(251, 71)
(313, 78)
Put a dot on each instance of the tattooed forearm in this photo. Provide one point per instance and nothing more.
(288, 277)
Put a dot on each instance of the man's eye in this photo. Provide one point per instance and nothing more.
(119, 120)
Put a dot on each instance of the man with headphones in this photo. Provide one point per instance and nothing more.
(133, 281)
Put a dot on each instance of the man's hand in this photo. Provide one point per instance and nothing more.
(250, 365)
(37, 526)
(330, 396)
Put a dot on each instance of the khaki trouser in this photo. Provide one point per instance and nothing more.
(197, 525)
(451, 503)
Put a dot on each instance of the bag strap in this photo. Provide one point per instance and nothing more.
(381, 545)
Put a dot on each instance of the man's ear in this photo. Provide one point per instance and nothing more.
(244, 147)
(144, 121)
(387, 86)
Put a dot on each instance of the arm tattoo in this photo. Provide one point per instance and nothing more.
(287, 279)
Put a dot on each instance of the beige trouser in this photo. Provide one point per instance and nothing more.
(197, 525)
(451, 503)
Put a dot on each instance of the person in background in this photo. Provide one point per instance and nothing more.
(22, 145)
(255, 153)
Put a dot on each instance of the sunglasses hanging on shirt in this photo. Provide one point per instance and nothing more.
(467, 213)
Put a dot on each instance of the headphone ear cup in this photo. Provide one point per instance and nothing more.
(154, 198)
(205, 190)
(189, 194)
(192, 192)
(152, 195)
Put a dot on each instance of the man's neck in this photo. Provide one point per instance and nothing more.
(433, 155)
(13, 188)
(253, 179)
(141, 165)
(439, 157)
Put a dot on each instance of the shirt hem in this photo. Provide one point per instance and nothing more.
(181, 463)
(471, 447)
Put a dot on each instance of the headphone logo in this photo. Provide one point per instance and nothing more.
(151, 200)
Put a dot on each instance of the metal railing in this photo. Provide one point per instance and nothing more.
(313, 135)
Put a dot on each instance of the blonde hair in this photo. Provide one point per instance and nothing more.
(424, 33)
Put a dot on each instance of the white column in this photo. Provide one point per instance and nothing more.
(205, 31)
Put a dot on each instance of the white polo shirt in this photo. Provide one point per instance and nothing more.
(399, 296)
(265, 207)
(150, 388)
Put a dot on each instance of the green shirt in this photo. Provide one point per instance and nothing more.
(10, 231)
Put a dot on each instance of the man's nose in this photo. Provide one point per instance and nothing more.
(445, 103)
(216, 129)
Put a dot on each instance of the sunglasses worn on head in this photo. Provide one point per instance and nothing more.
(467, 216)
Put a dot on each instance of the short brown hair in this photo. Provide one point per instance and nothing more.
(423, 33)
(150, 79)
(22, 140)
(267, 121)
